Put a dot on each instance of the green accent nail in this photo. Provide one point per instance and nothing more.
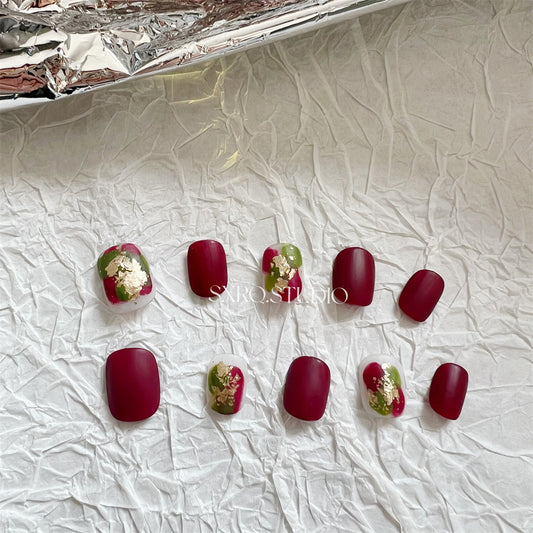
(104, 261)
(292, 255)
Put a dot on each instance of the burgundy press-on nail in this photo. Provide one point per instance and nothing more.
(208, 271)
(354, 276)
(307, 388)
(448, 390)
(132, 383)
(421, 294)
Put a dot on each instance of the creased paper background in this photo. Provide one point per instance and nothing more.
(407, 132)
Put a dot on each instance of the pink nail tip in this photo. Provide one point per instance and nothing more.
(421, 294)
(354, 277)
(381, 383)
(207, 267)
(225, 385)
(307, 388)
(448, 390)
(126, 278)
(281, 268)
(132, 383)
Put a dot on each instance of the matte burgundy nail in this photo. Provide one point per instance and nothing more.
(208, 271)
(421, 294)
(448, 390)
(307, 388)
(132, 383)
(354, 276)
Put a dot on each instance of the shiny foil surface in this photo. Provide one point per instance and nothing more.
(50, 48)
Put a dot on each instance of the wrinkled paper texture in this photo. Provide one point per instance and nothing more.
(407, 132)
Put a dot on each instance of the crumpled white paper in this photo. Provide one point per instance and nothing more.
(407, 132)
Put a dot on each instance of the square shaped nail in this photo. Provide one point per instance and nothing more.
(381, 384)
(126, 278)
(132, 383)
(353, 277)
(207, 268)
(281, 268)
(307, 388)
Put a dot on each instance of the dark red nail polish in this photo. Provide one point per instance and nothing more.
(307, 388)
(421, 294)
(208, 271)
(448, 390)
(354, 276)
(132, 383)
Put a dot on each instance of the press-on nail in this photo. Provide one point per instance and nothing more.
(381, 382)
(448, 390)
(126, 277)
(354, 276)
(307, 388)
(132, 383)
(281, 267)
(225, 385)
(421, 294)
(208, 271)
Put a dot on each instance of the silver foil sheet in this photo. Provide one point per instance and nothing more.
(50, 48)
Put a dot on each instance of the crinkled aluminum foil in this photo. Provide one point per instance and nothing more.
(50, 48)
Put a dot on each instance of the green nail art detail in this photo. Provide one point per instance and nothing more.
(104, 261)
(122, 294)
(292, 254)
(394, 376)
(377, 401)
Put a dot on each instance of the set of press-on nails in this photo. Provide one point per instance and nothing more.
(132, 377)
